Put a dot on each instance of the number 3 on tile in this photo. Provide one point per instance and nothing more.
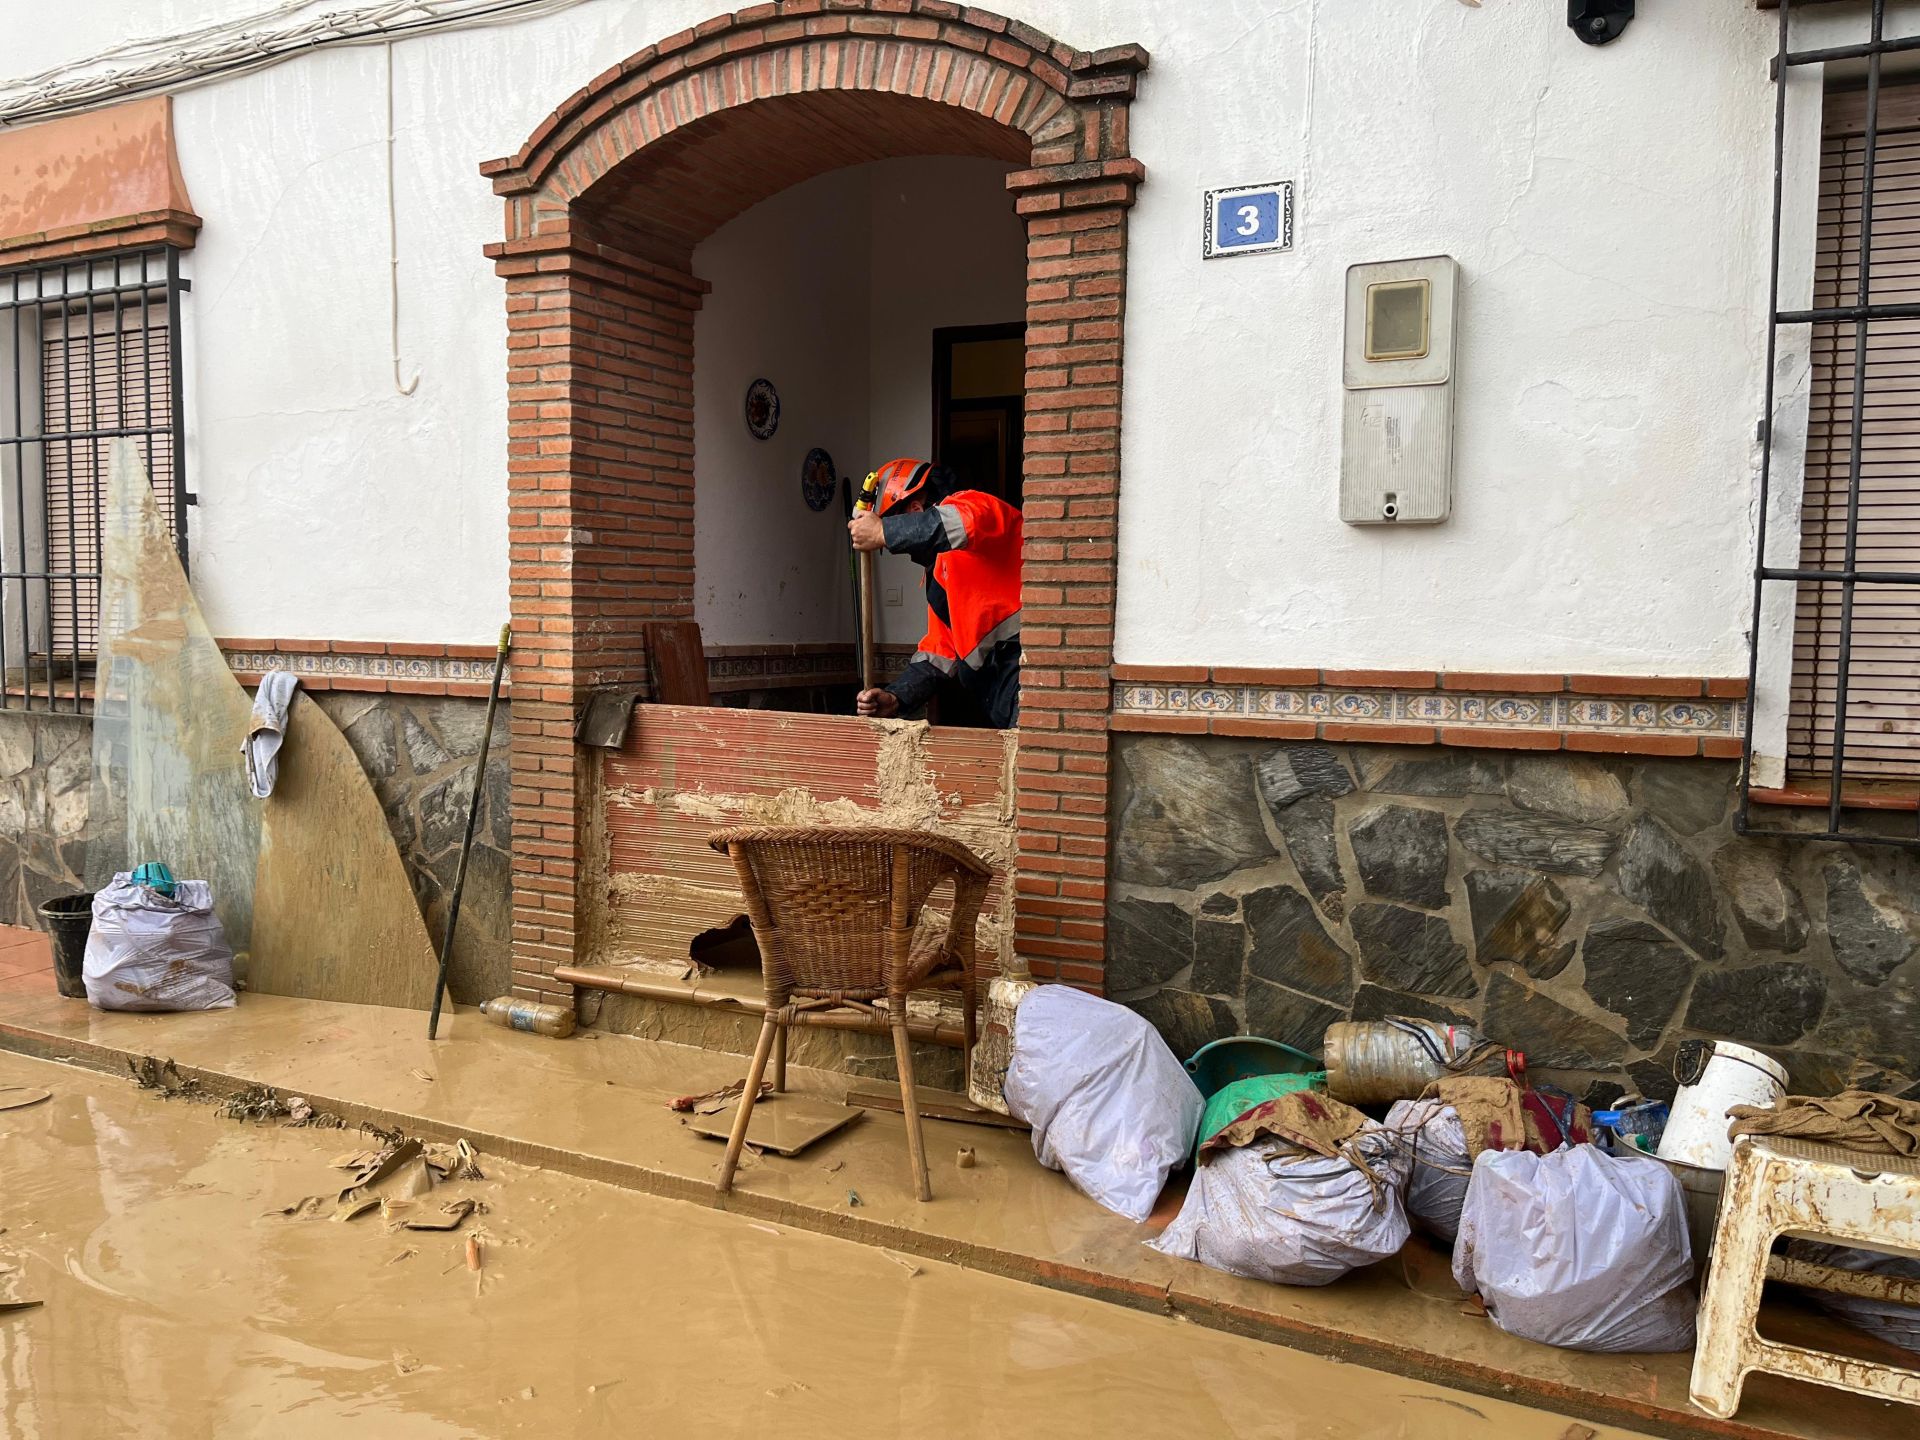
(1248, 220)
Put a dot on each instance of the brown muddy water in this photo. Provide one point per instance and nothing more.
(178, 1303)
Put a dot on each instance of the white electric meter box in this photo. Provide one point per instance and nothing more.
(1396, 444)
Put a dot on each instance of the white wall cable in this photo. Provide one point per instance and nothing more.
(163, 63)
(406, 387)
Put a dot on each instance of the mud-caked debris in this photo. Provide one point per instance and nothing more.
(259, 1104)
(152, 1073)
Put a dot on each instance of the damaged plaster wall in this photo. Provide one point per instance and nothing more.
(685, 772)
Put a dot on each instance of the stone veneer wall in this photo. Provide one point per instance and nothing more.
(417, 750)
(46, 771)
(1591, 912)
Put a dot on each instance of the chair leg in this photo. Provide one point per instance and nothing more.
(736, 1141)
(970, 1026)
(780, 1061)
(1730, 1297)
(909, 1105)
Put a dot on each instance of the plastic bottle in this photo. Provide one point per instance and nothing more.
(1635, 1126)
(531, 1015)
(1375, 1062)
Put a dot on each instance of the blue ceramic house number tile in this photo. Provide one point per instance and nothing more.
(1248, 219)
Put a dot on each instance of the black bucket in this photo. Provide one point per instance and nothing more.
(69, 918)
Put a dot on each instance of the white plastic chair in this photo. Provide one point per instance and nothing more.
(1778, 1186)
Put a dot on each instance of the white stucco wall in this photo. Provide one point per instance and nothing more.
(789, 303)
(824, 290)
(948, 249)
(1608, 208)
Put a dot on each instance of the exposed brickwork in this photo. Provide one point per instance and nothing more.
(600, 314)
(177, 228)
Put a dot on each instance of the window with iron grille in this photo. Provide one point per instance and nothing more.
(1883, 708)
(89, 353)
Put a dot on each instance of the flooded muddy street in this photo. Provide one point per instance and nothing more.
(177, 1301)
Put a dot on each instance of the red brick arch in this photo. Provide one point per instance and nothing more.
(604, 204)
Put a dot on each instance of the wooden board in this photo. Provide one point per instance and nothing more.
(934, 1105)
(334, 916)
(677, 662)
(782, 1124)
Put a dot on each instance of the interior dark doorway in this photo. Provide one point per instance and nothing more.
(979, 405)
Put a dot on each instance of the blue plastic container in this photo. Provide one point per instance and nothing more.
(1242, 1057)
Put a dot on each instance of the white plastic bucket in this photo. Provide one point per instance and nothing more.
(1697, 1129)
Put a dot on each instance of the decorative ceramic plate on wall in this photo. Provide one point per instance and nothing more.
(763, 409)
(817, 480)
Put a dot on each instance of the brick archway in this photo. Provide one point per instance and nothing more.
(604, 204)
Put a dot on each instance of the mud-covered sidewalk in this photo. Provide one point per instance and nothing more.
(178, 1301)
(593, 1107)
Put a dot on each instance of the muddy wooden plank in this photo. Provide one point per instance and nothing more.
(334, 916)
(782, 1124)
(934, 1105)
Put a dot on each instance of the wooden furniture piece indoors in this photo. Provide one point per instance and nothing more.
(835, 912)
(1777, 1185)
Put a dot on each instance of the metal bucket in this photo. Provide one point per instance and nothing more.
(1714, 1076)
(1702, 1189)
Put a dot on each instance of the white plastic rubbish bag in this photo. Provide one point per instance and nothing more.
(1430, 1134)
(1271, 1212)
(1579, 1249)
(1896, 1324)
(148, 951)
(1108, 1103)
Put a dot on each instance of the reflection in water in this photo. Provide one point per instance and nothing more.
(180, 1303)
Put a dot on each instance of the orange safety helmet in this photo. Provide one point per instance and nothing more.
(900, 481)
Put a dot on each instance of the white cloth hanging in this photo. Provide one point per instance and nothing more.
(267, 729)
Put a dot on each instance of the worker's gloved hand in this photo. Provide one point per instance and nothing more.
(866, 532)
(878, 704)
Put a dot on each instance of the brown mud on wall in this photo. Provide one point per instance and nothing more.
(687, 771)
(1593, 912)
(417, 750)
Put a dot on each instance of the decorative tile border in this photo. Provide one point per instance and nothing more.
(748, 667)
(1658, 715)
(407, 668)
(398, 667)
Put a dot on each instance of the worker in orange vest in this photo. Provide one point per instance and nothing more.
(969, 543)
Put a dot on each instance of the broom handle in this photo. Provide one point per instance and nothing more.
(867, 677)
(466, 845)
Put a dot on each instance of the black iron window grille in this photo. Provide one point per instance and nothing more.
(1853, 723)
(89, 353)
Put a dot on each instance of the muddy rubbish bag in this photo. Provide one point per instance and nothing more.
(1883, 1319)
(1579, 1249)
(1109, 1104)
(1269, 1211)
(149, 951)
(1434, 1141)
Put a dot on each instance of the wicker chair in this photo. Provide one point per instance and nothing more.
(835, 914)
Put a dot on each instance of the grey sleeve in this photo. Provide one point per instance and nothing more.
(921, 530)
(915, 685)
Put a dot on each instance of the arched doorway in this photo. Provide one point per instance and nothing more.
(604, 205)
